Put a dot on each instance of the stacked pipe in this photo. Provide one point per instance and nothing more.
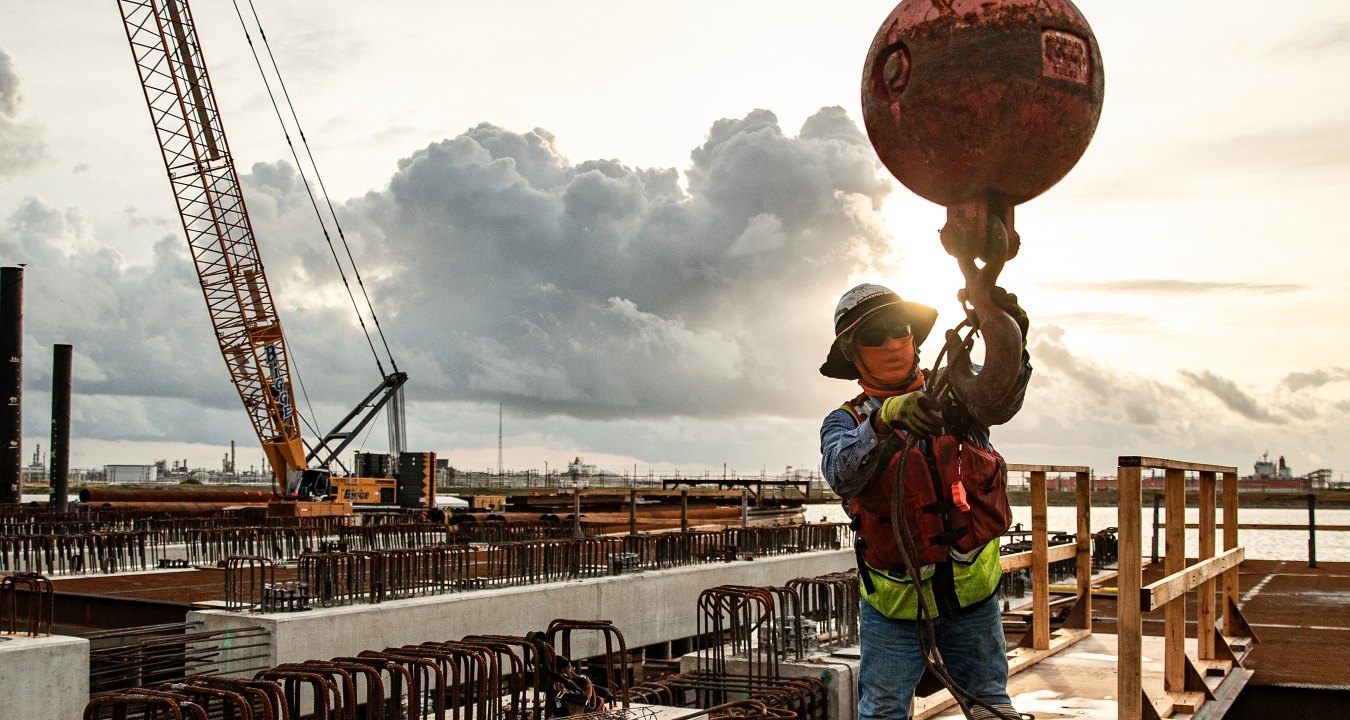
(171, 500)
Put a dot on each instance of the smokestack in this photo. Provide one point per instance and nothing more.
(60, 452)
(11, 382)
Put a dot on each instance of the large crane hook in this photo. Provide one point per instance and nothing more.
(980, 105)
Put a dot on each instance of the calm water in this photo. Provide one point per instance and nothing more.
(1332, 545)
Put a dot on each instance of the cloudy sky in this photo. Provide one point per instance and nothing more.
(628, 224)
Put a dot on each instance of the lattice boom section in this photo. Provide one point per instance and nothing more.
(196, 156)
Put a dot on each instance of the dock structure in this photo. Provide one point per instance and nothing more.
(1130, 675)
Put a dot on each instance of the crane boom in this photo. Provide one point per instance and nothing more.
(224, 250)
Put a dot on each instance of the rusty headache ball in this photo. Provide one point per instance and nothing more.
(972, 99)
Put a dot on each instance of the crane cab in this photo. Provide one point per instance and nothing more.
(309, 484)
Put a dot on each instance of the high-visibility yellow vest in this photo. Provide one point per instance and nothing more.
(891, 592)
(894, 596)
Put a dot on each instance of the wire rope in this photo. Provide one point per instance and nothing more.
(300, 168)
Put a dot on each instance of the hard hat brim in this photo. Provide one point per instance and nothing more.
(920, 317)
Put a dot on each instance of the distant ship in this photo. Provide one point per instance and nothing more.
(1278, 476)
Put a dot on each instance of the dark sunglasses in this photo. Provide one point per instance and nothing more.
(876, 330)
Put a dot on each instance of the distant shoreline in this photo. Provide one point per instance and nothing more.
(1107, 498)
(1017, 497)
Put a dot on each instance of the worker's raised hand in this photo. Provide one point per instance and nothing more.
(1007, 302)
(914, 412)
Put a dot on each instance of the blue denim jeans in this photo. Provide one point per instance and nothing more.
(892, 663)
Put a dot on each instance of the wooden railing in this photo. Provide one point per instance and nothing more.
(1042, 554)
(1187, 684)
(1311, 527)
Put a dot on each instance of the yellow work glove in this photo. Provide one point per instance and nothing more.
(913, 411)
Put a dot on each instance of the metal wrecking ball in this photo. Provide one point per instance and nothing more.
(980, 105)
(978, 102)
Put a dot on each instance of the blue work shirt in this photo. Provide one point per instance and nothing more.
(850, 450)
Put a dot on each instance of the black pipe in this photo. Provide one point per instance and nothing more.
(1312, 530)
(11, 383)
(60, 447)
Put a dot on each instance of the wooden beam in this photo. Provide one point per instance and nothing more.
(1134, 461)
(1204, 596)
(1022, 560)
(1230, 541)
(1278, 526)
(1083, 612)
(1163, 591)
(1019, 467)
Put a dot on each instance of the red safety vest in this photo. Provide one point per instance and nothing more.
(955, 500)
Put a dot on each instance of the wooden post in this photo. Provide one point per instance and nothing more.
(1174, 560)
(684, 509)
(1129, 683)
(1312, 530)
(1040, 567)
(1230, 541)
(1205, 599)
(632, 511)
(745, 507)
(1084, 486)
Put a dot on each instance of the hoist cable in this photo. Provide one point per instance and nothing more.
(309, 190)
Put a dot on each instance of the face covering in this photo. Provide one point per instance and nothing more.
(888, 369)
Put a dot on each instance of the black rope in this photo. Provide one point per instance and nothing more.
(924, 629)
(309, 190)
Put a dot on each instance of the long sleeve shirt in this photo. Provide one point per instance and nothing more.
(852, 454)
(851, 451)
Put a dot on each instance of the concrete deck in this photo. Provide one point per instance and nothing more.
(1080, 682)
(648, 608)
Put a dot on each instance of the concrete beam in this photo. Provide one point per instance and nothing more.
(44, 678)
(837, 670)
(648, 607)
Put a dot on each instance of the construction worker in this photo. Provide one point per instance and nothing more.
(877, 336)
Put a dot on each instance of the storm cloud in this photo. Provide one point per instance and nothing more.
(503, 272)
(20, 142)
(1079, 411)
(600, 290)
